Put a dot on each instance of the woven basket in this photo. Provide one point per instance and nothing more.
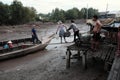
(67, 34)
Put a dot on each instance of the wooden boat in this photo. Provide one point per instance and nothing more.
(24, 48)
(113, 27)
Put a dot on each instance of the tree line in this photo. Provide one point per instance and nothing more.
(74, 13)
(16, 13)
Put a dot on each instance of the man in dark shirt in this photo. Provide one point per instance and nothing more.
(34, 36)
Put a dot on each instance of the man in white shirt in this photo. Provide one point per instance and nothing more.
(75, 30)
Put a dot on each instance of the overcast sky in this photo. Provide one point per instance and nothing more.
(45, 6)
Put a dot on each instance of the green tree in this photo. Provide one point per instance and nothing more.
(88, 13)
(92, 12)
(72, 14)
(83, 13)
(16, 12)
(57, 15)
(44, 17)
(4, 13)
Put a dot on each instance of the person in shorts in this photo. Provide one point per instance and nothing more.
(96, 33)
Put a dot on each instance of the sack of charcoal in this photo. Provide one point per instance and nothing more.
(67, 34)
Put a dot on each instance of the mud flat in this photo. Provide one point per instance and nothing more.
(48, 64)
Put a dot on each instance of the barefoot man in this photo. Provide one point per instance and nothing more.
(96, 33)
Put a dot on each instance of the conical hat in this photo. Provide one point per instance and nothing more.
(9, 41)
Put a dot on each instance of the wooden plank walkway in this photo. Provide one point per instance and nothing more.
(115, 70)
(105, 52)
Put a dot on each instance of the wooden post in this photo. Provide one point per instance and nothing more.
(115, 70)
(68, 54)
(84, 60)
(78, 54)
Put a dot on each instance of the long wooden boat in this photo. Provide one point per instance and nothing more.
(24, 48)
(113, 27)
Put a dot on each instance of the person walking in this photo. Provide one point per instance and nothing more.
(75, 30)
(34, 36)
(61, 28)
(96, 33)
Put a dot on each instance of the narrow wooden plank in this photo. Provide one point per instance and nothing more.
(115, 70)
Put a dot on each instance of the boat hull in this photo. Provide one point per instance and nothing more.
(26, 51)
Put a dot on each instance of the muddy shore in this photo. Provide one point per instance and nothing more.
(48, 64)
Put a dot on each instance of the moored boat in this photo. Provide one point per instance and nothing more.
(23, 47)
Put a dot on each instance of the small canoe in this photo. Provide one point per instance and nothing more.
(24, 49)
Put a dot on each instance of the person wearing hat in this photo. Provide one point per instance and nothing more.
(61, 28)
(10, 44)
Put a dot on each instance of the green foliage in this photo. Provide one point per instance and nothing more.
(70, 14)
(16, 13)
(43, 17)
(83, 13)
(57, 15)
(4, 13)
(92, 12)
